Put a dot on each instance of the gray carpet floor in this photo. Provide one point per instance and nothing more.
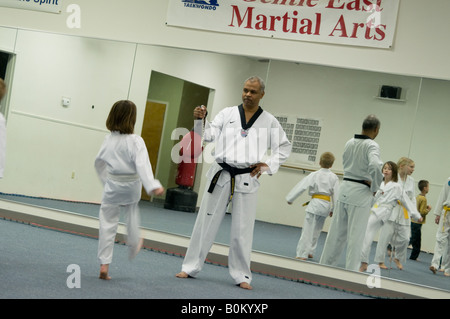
(154, 216)
(39, 263)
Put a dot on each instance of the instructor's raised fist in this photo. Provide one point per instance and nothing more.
(200, 112)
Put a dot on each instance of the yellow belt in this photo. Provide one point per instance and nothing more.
(447, 209)
(319, 196)
(405, 211)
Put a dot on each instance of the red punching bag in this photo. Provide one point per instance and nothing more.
(190, 150)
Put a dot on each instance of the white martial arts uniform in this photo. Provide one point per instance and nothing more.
(442, 246)
(397, 228)
(361, 161)
(123, 166)
(2, 144)
(386, 199)
(321, 182)
(239, 150)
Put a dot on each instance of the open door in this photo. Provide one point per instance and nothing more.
(152, 129)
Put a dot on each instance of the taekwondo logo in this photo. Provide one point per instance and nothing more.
(200, 4)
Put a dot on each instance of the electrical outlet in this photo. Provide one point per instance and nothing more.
(65, 101)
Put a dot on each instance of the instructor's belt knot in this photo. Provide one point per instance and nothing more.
(233, 172)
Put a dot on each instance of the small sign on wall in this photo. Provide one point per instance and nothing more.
(53, 6)
(304, 134)
(369, 23)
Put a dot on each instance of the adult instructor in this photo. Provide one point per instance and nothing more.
(362, 178)
(242, 134)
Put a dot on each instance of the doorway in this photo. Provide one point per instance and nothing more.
(172, 102)
(5, 74)
(152, 130)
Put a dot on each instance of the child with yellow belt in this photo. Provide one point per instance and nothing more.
(323, 186)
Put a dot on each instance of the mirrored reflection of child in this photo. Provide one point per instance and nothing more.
(442, 246)
(389, 196)
(323, 187)
(397, 228)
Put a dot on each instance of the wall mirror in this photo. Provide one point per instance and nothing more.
(61, 89)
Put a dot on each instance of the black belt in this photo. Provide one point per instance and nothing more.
(357, 181)
(233, 172)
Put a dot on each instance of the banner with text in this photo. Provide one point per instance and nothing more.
(53, 6)
(369, 23)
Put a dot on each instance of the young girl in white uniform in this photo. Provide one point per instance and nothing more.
(323, 186)
(123, 166)
(397, 228)
(389, 196)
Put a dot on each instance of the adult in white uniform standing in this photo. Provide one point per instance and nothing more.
(362, 178)
(242, 134)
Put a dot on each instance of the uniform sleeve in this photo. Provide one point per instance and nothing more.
(214, 128)
(335, 192)
(410, 206)
(100, 165)
(443, 197)
(299, 189)
(280, 147)
(143, 167)
(375, 165)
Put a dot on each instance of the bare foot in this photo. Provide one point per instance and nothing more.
(382, 266)
(399, 265)
(133, 253)
(301, 258)
(104, 272)
(182, 275)
(363, 267)
(245, 285)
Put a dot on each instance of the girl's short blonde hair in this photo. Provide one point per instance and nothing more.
(404, 161)
(122, 117)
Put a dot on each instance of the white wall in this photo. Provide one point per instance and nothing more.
(45, 140)
(419, 48)
(51, 148)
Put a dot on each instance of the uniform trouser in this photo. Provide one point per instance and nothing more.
(373, 226)
(211, 213)
(442, 250)
(398, 236)
(312, 227)
(347, 228)
(109, 220)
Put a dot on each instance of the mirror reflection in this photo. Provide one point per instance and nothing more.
(61, 88)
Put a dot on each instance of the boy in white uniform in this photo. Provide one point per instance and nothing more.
(123, 167)
(323, 187)
(243, 134)
(442, 246)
